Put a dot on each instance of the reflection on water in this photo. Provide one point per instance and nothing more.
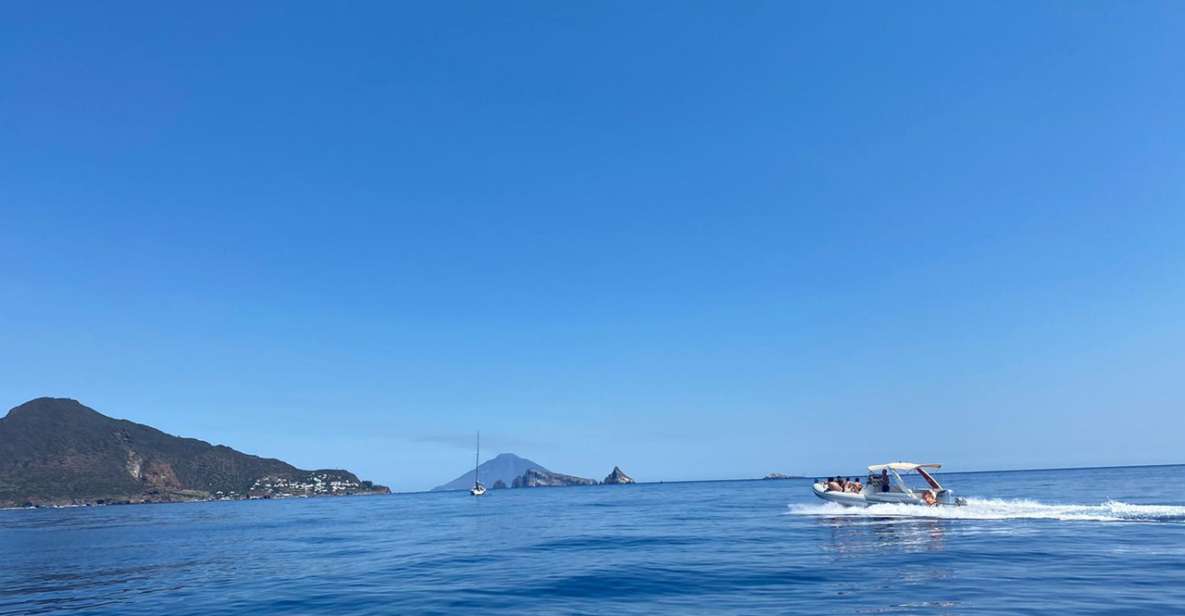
(863, 535)
(921, 579)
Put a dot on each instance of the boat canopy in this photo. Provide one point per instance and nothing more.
(900, 466)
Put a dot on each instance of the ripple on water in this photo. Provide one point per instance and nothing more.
(720, 547)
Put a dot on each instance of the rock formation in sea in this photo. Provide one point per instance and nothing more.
(776, 476)
(55, 451)
(499, 485)
(538, 478)
(505, 467)
(618, 476)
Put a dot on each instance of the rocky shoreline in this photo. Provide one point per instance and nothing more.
(175, 499)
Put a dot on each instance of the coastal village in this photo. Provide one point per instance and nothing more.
(315, 484)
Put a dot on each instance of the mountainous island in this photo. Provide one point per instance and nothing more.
(56, 451)
(508, 470)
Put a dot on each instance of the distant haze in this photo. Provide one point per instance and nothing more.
(693, 240)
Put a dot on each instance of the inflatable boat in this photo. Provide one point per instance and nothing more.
(885, 485)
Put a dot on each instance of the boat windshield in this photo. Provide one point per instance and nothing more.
(914, 481)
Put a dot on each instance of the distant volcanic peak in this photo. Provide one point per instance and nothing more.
(505, 467)
(43, 400)
(618, 476)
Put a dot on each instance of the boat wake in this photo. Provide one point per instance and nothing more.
(1004, 509)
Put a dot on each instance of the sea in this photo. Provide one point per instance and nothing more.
(1083, 541)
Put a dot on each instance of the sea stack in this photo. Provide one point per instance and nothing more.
(618, 476)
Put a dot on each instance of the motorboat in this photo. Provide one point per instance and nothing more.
(886, 485)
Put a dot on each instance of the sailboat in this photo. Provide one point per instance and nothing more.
(477, 489)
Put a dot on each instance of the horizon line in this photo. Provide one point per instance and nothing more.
(793, 477)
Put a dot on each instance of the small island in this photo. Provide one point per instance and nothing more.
(618, 477)
(538, 478)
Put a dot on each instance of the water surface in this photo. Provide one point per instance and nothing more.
(1082, 541)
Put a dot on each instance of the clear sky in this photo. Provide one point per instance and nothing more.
(696, 240)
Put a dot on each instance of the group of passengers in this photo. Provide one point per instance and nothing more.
(876, 483)
(847, 484)
(844, 484)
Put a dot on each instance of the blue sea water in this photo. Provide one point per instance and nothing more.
(1074, 541)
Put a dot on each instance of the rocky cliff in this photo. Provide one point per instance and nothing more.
(618, 476)
(537, 478)
(55, 451)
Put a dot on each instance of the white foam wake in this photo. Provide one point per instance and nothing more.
(1005, 509)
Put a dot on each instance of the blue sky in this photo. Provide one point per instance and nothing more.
(696, 240)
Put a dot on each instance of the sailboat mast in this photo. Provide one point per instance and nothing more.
(476, 458)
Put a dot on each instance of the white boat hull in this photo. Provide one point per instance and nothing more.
(865, 497)
(847, 499)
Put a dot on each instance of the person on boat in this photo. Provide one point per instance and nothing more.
(833, 485)
(884, 480)
(928, 497)
(855, 486)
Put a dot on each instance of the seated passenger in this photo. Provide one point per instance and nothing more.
(928, 496)
(833, 485)
(855, 486)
